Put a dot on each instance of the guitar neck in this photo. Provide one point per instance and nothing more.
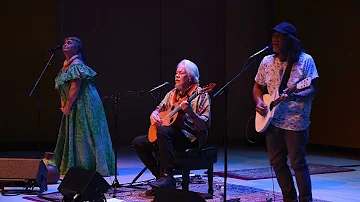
(174, 111)
(192, 96)
(278, 100)
(178, 108)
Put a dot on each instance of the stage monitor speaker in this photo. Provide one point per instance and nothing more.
(27, 173)
(83, 185)
(176, 195)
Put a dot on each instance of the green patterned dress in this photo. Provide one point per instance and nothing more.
(84, 140)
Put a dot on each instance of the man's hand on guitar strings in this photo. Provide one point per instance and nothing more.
(286, 97)
(186, 108)
(262, 109)
(155, 119)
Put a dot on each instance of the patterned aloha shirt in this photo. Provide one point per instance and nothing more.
(200, 105)
(291, 115)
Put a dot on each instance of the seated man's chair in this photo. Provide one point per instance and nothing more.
(192, 159)
(196, 159)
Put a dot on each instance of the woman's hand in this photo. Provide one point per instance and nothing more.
(65, 110)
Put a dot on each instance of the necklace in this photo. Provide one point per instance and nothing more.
(67, 63)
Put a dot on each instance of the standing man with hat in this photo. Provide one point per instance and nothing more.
(288, 133)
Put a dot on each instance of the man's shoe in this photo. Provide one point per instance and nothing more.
(164, 182)
(150, 192)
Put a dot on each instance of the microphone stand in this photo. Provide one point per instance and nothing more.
(115, 184)
(225, 90)
(37, 85)
(156, 98)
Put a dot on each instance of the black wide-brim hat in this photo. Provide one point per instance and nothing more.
(286, 29)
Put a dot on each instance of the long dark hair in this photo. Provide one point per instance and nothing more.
(294, 48)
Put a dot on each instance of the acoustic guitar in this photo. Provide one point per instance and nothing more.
(174, 114)
(262, 122)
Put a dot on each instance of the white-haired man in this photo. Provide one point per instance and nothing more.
(191, 133)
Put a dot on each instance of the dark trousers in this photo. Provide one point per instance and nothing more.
(169, 140)
(280, 144)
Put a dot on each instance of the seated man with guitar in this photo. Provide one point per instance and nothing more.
(287, 133)
(179, 122)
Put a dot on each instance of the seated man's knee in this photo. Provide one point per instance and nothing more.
(162, 130)
(138, 141)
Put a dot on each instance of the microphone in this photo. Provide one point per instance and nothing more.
(55, 48)
(159, 86)
(76, 196)
(261, 51)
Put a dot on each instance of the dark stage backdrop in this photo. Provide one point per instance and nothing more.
(329, 32)
(136, 45)
(30, 29)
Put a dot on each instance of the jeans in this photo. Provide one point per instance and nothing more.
(282, 144)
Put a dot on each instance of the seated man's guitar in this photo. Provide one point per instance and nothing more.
(174, 115)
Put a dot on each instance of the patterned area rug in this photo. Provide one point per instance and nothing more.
(265, 173)
(136, 194)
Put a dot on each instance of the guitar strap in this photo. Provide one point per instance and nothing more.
(285, 78)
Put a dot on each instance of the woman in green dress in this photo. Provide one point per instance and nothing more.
(84, 140)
